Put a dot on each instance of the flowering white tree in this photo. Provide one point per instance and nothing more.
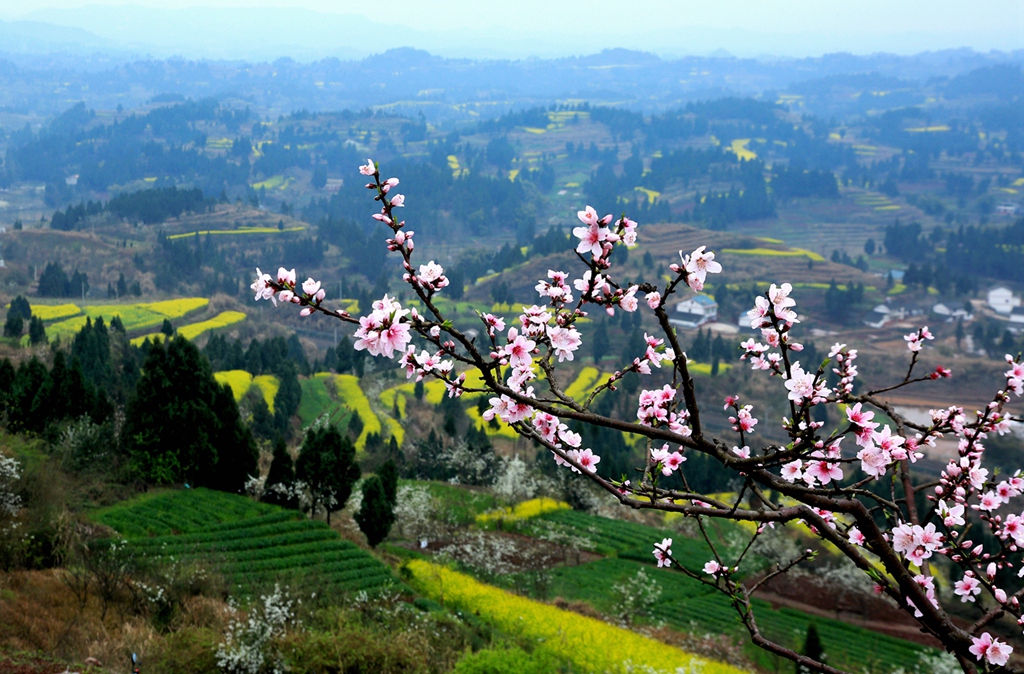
(883, 531)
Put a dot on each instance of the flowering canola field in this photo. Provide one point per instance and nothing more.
(590, 644)
(192, 330)
(134, 316)
(241, 381)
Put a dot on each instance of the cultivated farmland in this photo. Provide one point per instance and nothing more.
(253, 545)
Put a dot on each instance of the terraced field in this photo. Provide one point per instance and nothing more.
(222, 320)
(241, 381)
(253, 545)
(134, 316)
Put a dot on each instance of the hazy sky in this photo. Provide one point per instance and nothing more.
(739, 25)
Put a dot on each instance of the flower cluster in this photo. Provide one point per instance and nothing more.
(310, 294)
(656, 407)
(667, 461)
(821, 465)
(915, 340)
(696, 266)
(383, 332)
(663, 552)
(915, 542)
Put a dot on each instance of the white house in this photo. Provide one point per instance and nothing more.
(878, 317)
(1002, 300)
(695, 312)
(950, 314)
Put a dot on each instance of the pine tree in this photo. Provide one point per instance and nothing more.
(37, 332)
(167, 328)
(376, 514)
(181, 426)
(282, 473)
(14, 325)
(388, 475)
(812, 649)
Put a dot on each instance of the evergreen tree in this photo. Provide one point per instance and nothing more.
(29, 380)
(179, 423)
(376, 514)
(122, 286)
(14, 325)
(327, 465)
(167, 328)
(237, 455)
(812, 649)
(20, 306)
(37, 332)
(388, 475)
(287, 399)
(281, 473)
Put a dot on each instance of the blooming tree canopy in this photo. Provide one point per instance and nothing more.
(825, 474)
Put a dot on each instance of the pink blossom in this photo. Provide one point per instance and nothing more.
(663, 551)
(653, 300)
(991, 650)
(791, 471)
(856, 537)
(261, 286)
(698, 265)
(588, 460)
(564, 341)
(967, 588)
(368, 169)
(286, 277)
(398, 200)
(712, 568)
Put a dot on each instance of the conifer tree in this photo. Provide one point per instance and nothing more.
(180, 424)
(388, 475)
(812, 649)
(281, 473)
(14, 325)
(376, 513)
(36, 331)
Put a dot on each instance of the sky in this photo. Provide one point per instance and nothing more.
(545, 28)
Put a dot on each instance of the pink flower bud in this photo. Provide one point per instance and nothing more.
(991, 570)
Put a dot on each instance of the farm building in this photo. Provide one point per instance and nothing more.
(1002, 300)
(949, 313)
(695, 312)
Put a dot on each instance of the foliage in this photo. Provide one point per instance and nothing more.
(181, 426)
(376, 512)
(326, 465)
(249, 643)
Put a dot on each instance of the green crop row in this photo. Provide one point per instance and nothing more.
(229, 534)
(179, 512)
(354, 559)
(284, 533)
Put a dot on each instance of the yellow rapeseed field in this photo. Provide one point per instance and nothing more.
(193, 330)
(51, 312)
(241, 381)
(590, 644)
(522, 511)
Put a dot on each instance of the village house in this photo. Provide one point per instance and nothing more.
(1002, 300)
(695, 312)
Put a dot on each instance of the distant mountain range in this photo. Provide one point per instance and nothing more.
(265, 33)
(38, 62)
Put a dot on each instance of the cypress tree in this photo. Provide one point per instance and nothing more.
(376, 514)
(14, 325)
(388, 475)
(237, 455)
(812, 649)
(180, 424)
(282, 472)
(36, 331)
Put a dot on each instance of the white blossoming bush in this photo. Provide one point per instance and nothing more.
(249, 641)
(854, 484)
